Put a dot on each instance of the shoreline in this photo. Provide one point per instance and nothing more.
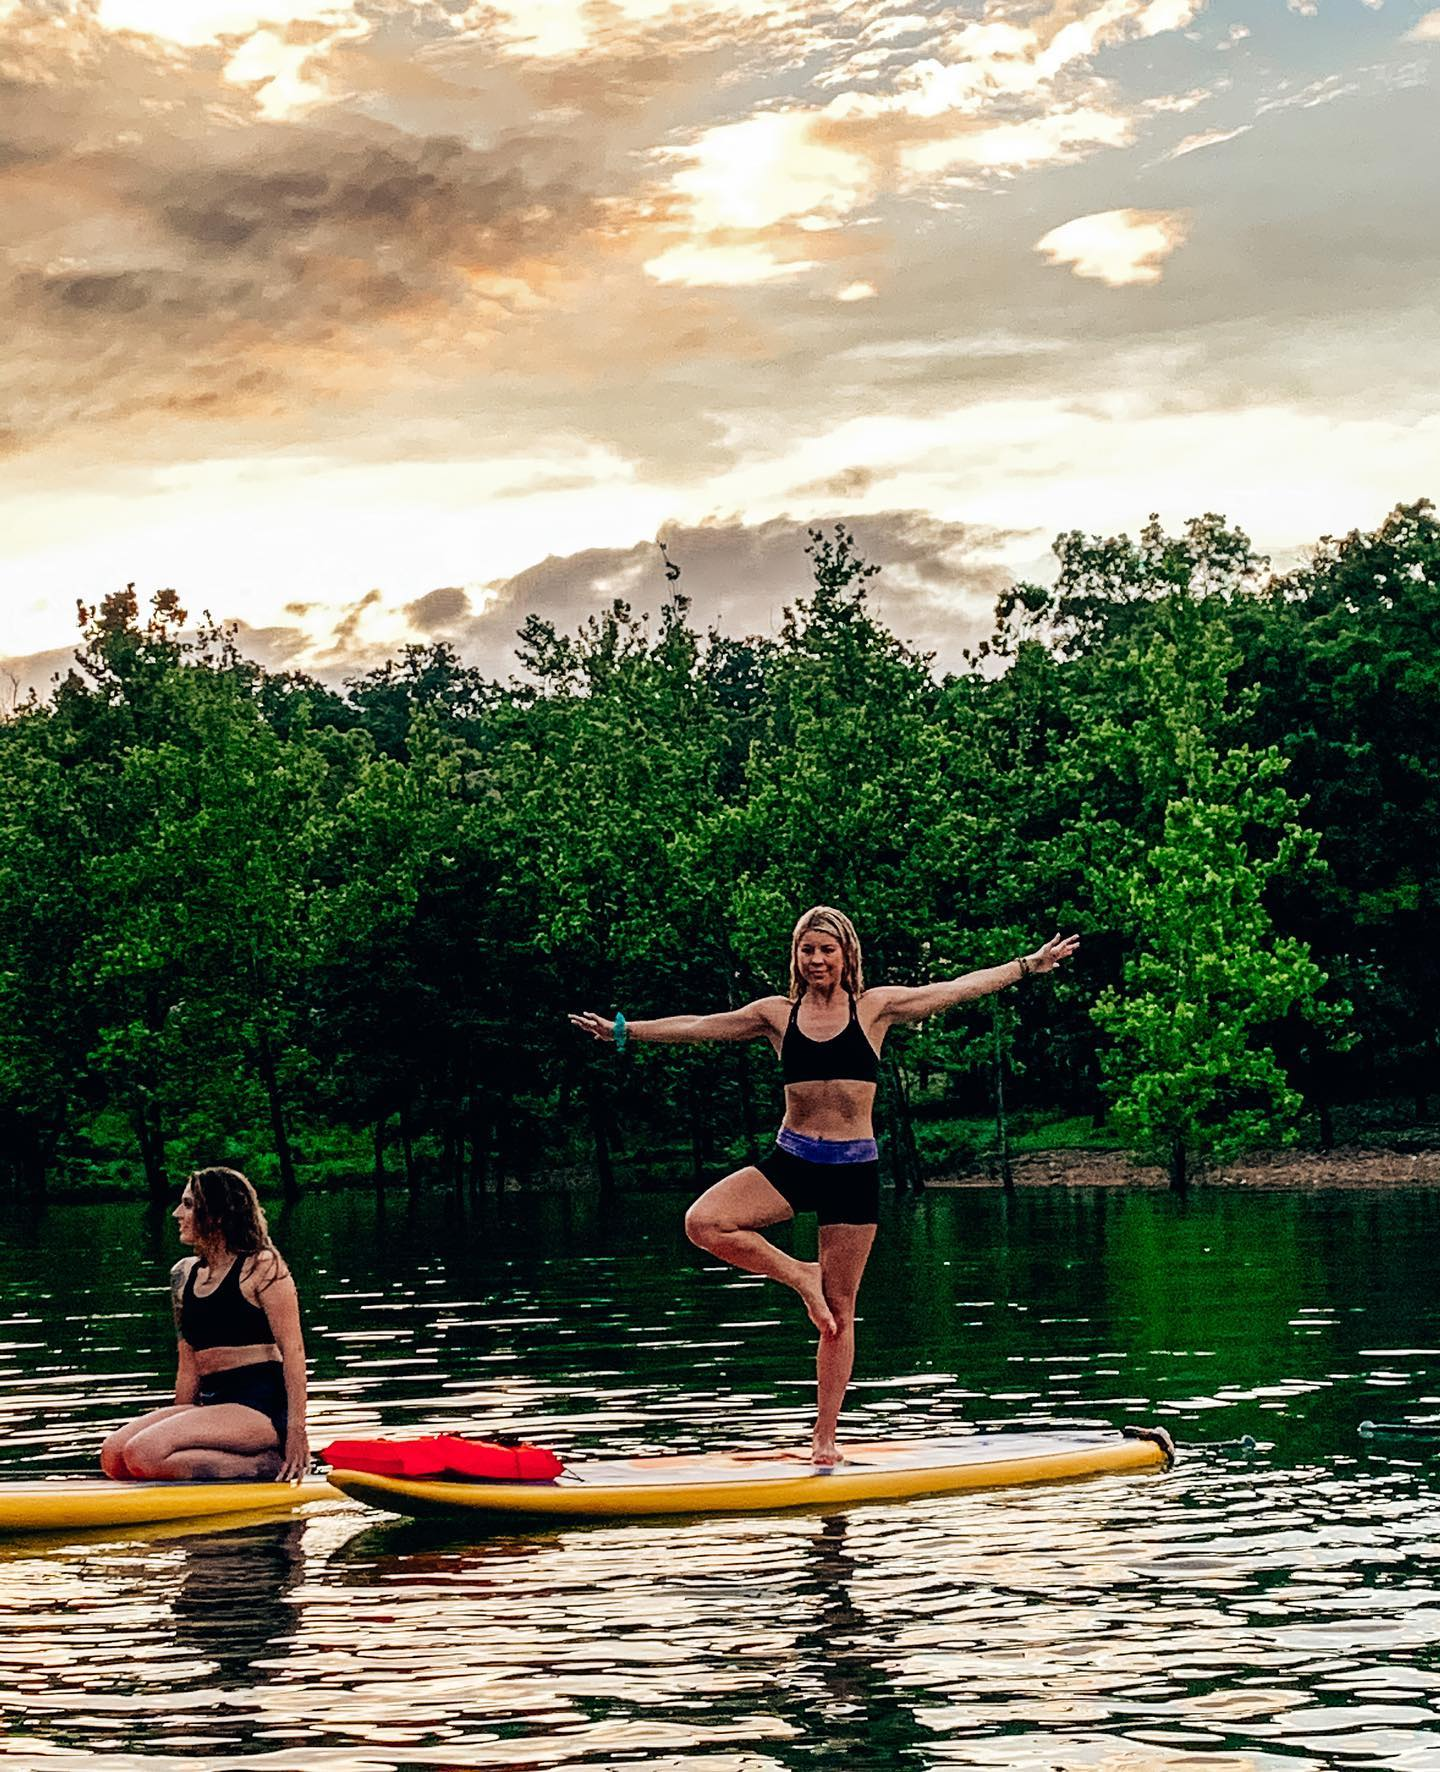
(1348, 1166)
(1360, 1167)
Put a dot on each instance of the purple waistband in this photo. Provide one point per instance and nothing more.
(827, 1150)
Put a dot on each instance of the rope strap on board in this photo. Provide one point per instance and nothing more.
(1158, 1435)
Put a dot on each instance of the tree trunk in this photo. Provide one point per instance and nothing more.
(150, 1137)
(1002, 1124)
(265, 1055)
(747, 1105)
(379, 1169)
(1179, 1171)
(479, 1130)
(600, 1132)
(29, 1162)
(905, 1157)
(407, 1144)
(696, 1116)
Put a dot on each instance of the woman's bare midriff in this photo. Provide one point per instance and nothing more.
(210, 1360)
(836, 1109)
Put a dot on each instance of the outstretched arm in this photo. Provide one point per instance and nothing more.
(750, 1023)
(902, 1003)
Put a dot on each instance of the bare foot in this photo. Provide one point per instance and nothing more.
(812, 1295)
(825, 1452)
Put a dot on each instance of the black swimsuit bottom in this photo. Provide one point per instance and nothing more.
(837, 1193)
(260, 1387)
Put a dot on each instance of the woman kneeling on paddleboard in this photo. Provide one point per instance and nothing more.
(239, 1409)
(828, 1033)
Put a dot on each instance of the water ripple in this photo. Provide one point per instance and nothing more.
(1264, 1611)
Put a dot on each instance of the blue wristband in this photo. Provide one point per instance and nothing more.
(621, 1031)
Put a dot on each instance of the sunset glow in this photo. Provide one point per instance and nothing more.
(311, 301)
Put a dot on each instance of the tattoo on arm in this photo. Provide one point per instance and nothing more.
(178, 1276)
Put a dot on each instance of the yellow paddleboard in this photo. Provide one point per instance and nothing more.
(754, 1482)
(62, 1503)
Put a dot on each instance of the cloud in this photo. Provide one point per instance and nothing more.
(937, 587)
(195, 22)
(767, 168)
(1425, 30)
(704, 264)
(32, 674)
(937, 590)
(464, 297)
(1206, 138)
(975, 104)
(163, 266)
(438, 611)
(276, 648)
(1116, 246)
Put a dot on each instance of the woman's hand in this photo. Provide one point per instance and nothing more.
(595, 1025)
(297, 1456)
(1058, 948)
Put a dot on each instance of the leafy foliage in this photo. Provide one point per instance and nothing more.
(239, 908)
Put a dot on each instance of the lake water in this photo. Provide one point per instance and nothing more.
(1276, 1609)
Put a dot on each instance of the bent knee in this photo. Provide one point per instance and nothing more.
(700, 1227)
(112, 1456)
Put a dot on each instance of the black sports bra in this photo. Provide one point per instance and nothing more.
(847, 1057)
(224, 1317)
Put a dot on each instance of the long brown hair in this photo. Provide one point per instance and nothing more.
(828, 921)
(228, 1211)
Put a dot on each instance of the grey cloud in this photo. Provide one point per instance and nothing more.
(434, 200)
(438, 610)
(32, 673)
(342, 640)
(314, 255)
(937, 588)
(282, 276)
(119, 292)
(848, 483)
(274, 648)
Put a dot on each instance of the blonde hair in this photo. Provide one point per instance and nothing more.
(828, 921)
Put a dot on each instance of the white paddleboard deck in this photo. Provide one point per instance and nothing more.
(745, 1481)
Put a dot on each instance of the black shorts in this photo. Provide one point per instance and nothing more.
(837, 1193)
(261, 1387)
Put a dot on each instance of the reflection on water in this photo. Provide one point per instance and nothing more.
(231, 1615)
(1276, 1610)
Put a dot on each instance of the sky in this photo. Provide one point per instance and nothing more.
(397, 320)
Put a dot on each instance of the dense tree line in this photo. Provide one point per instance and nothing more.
(239, 910)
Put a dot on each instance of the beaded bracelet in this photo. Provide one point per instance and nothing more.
(1024, 966)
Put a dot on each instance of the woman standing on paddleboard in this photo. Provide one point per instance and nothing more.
(828, 1033)
(240, 1393)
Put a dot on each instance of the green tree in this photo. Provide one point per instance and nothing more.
(1190, 1073)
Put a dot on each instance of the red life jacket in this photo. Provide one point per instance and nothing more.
(445, 1456)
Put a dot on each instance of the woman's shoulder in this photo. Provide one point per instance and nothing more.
(179, 1277)
(262, 1268)
(878, 996)
(770, 1010)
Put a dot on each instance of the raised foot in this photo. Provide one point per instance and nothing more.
(812, 1295)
